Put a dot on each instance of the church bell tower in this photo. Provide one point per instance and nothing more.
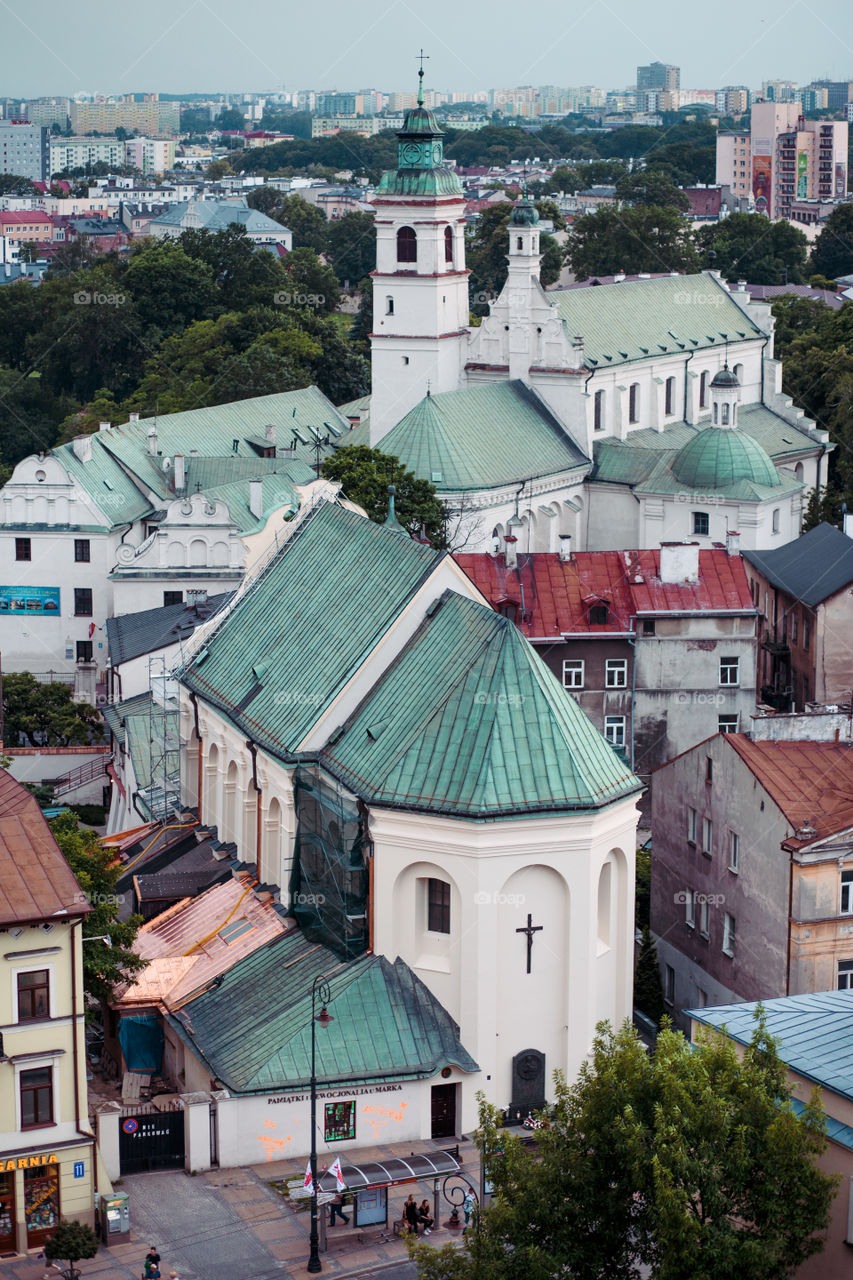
(420, 285)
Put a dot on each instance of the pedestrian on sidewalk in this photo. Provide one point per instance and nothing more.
(410, 1213)
(337, 1208)
(468, 1205)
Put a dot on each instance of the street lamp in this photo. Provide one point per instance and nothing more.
(321, 989)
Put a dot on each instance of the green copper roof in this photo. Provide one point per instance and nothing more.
(642, 318)
(436, 181)
(470, 721)
(107, 483)
(391, 522)
(720, 456)
(482, 437)
(308, 623)
(254, 1028)
(421, 170)
(524, 214)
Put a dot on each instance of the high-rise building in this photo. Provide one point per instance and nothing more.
(148, 117)
(24, 149)
(48, 111)
(838, 92)
(658, 75)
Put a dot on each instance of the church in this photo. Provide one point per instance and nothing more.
(596, 414)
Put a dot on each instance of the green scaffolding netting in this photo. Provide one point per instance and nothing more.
(329, 881)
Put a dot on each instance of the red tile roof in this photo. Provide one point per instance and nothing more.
(35, 215)
(811, 782)
(555, 595)
(36, 883)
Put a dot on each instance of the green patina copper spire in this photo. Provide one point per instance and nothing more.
(391, 522)
(421, 170)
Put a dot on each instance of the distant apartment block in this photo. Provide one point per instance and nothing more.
(784, 158)
(47, 111)
(148, 117)
(150, 155)
(79, 153)
(24, 149)
(658, 75)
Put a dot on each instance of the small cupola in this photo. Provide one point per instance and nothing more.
(725, 391)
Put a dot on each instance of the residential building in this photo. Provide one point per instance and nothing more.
(813, 1040)
(33, 227)
(150, 117)
(657, 647)
(47, 1152)
(48, 111)
(24, 149)
(217, 215)
(752, 870)
(67, 154)
(802, 593)
(658, 75)
(150, 155)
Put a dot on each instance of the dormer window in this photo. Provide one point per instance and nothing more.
(598, 615)
(508, 609)
(407, 245)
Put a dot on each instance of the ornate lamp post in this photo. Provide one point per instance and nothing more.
(319, 989)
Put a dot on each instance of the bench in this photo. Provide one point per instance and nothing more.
(401, 1227)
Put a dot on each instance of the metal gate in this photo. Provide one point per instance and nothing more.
(151, 1140)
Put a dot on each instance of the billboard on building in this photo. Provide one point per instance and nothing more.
(30, 600)
(761, 183)
(841, 179)
(802, 175)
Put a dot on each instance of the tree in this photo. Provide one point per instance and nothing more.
(832, 252)
(170, 289)
(71, 1242)
(352, 246)
(365, 475)
(312, 283)
(749, 247)
(230, 119)
(45, 715)
(648, 994)
(217, 169)
(651, 186)
(308, 223)
(12, 184)
(643, 238)
(97, 872)
(682, 1165)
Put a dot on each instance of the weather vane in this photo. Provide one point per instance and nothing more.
(420, 56)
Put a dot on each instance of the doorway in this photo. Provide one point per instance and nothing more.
(444, 1110)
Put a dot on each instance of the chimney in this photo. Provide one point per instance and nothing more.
(269, 433)
(565, 552)
(511, 551)
(195, 597)
(619, 277)
(133, 417)
(679, 562)
(104, 426)
(732, 542)
(82, 446)
(152, 440)
(256, 498)
(848, 524)
(180, 475)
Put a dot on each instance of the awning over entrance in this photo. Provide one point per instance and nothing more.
(388, 1173)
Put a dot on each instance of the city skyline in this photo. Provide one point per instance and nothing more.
(203, 48)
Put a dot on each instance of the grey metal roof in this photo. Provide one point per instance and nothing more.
(132, 634)
(815, 1033)
(811, 568)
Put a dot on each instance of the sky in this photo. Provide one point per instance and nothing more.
(214, 46)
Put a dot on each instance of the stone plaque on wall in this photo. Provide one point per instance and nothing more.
(528, 1081)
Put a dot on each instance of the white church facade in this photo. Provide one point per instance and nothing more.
(615, 382)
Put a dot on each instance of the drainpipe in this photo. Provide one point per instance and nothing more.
(763, 349)
(790, 914)
(633, 644)
(686, 363)
(76, 1053)
(194, 701)
(254, 750)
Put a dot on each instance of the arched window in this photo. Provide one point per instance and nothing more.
(634, 402)
(519, 243)
(798, 471)
(703, 390)
(407, 245)
(599, 411)
(724, 421)
(738, 372)
(389, 306)
(448, 245)
(716, 417)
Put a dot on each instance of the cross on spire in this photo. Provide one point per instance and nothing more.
(420, 56)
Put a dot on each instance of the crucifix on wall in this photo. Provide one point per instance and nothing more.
(530, 928)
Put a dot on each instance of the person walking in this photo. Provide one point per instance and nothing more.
(410, 1213)
(337, 1209)
(468, 1205)
(152, 1263)
(425, 1218)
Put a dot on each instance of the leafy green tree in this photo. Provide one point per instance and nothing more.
(230, 119)
(28, 414)
(12, 184)
(308, 223)
(642, 238)
(169, 288)
(682, 1165)
(244, 276)
(651, 186)
(365, 475)
(832, 252)
(97, 872)
(563, 179)
(601, 173)
(750, 247)
(217, 169)
(265, 199)
(648, 993)
(362, 326)
(45, 715)
(312, 283)
(352, 246)
(71, 1242)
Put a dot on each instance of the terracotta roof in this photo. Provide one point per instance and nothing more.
(36, 883)
(556, 595)
(34, 215)
(811, 782)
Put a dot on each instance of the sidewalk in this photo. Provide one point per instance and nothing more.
(231, 1224)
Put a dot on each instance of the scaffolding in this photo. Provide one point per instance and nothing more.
(329, 881)
(162, 793)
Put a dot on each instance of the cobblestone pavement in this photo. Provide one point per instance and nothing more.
(230, 1224)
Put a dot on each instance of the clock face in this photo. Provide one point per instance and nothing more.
(437, 155)
(411, 153)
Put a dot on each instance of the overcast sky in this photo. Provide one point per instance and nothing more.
(100, 46)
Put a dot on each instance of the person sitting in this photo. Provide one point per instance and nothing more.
(410, 1213)
(425, 1218)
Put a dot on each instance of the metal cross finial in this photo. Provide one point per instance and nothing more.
(421, 57)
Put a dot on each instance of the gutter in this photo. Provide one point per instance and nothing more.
(75, 1016)
(633, 644)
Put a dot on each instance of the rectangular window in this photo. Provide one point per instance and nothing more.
(599, 411)
(669, 409)
(707, 837)
(847, 893)
(82, 602)
(634, 402)
(573, 673)
(648, 626)
(669, 984)
(776, 520)
(728, 934)
(734, 852)
(34, 995)
(173, 597)
(692, 818)
(709, 769)
(795, 618)
(339, 1121)
(729, 670)
(438, 906)
(807, 632)
(23, 549)
(701, 522)
(82, 551)
(614, 730)
(616, 673)
(688, 908)
(84, 650)
(36, 1097)
(726, 724)
(705, 917)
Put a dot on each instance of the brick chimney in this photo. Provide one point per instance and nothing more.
(565, 551)
(82, 446)
(679, 562)
(256, 498)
